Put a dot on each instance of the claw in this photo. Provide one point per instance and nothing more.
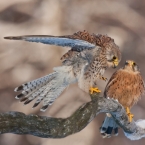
(92, 90)
(129, 114)
(103, 78)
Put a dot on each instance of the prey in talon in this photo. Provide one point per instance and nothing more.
(97, 51)
(126, 85)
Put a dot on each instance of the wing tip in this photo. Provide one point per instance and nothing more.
(23, 99)
(19, 96)
(44, 108)
(13, 37)
(15, 90)
(27, 101)
(20, 88)
(103, 129)
(35, 105)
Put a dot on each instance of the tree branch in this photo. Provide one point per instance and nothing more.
(47, 127)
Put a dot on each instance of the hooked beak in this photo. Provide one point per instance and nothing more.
(115, 62)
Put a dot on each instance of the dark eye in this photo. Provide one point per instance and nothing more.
(114, 57)
(134, 63)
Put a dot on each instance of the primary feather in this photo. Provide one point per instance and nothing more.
(47, 88)
(51, 40)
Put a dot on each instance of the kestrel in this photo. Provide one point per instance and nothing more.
(85, 63)
(126, 85)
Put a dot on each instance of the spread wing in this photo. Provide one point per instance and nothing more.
(78, 41)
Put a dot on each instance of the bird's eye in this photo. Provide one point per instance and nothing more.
(134, 63)
(114, 57)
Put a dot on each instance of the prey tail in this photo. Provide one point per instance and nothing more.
(47, 88)
(109, 127)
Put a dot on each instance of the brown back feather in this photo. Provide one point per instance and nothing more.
(98, 40)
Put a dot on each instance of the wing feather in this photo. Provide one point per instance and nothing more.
(65, 41)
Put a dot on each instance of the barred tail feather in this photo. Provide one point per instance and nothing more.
(36, 93)
(36, 83)
(47, 88)
(108, 127)
(52, 95)
(29, 88)
(55, 40)
(58, 85)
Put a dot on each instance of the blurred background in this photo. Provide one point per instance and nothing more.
(23, 61)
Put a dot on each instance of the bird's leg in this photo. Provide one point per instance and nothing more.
(92, 90)
(129, 114)
(103, 78)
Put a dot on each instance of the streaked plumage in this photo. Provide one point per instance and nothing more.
(126, 85)
(85, 63)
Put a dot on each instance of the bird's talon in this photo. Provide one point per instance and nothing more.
(92, 90)
(129, 114)
(131, 117)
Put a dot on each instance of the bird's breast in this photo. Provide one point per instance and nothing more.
(126, 88)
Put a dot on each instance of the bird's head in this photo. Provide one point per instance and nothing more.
(130, 65)
(112, 51)
(113, 56)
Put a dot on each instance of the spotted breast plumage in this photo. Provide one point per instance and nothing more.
(126, 85)
(85, 63)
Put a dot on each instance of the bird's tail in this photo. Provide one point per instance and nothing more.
(109, 127)
(47, 88)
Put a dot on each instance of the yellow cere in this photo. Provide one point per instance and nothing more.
(115, 61)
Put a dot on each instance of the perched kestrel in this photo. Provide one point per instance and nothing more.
(126, 85)
(85, 63)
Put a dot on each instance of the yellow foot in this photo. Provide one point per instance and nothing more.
(103, 78)
(129, 114)
(92, 90)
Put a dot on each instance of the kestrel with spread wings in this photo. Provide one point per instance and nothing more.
(126, 85)
(85, 64)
